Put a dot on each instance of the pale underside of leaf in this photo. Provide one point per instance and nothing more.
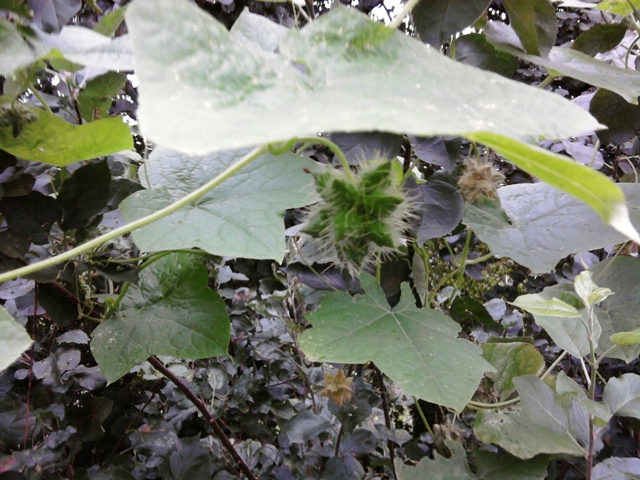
(201, 91)
(14, 340)
(544, 225)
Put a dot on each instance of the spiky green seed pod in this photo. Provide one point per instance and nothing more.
(359, 216)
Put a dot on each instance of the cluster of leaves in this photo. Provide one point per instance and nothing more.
(269, 377)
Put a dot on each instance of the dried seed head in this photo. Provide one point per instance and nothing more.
(480, 180)
(337, 387)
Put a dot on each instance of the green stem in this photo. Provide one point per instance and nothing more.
(546, 81)
(626, 57)
(192, 251)
(422, 253)
(481, 259)
(130, 227)
(553, 365)
(461, 268)
(410, 5)
(424, 419)
(592, 392)
(40, 98)
(334, 148)
(483, 406)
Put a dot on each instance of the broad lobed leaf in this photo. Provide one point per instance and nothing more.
(416, 348)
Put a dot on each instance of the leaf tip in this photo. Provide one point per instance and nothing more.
(621, 222)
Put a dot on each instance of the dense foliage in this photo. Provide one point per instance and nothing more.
(290, 240)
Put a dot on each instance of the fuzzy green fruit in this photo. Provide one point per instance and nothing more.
(359, 216)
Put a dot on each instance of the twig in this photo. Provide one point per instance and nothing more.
(385, 409)
(200, 405)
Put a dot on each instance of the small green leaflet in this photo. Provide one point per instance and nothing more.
(171, 312)
(416, 348)
(13, 341)
(626, 338)
(537, 304)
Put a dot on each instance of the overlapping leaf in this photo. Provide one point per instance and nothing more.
(441, 468)
(171, 312)
(535, 23)
(623, 395)
(540, 225)
(14, 341)
(617, 313)
(242, 217)
(571, 63)
(538, 425)
(416, 348)
(200, 90)
(49, 139)
(511, 360)
(437, 20)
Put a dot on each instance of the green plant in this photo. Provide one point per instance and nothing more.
(235, 118)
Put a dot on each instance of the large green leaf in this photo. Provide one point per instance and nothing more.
(623, 395)
(50, 139)
(538, 425)
(416, 348)
(14, 339)
(502, 466)
(535, 23)
(588, 185)
(570, 63)
(242, 217)
(440, 468)
(540, 225)
(201, 90)
(171, 312)
(437, 20)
